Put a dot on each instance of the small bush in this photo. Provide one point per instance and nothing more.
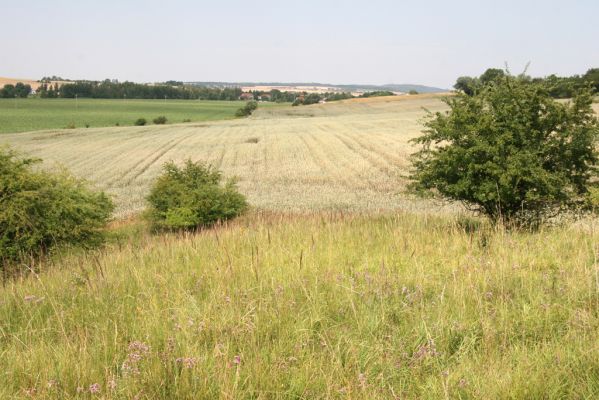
(41, 210)
(86, 125)
(186, 120)
(251, 105)
(594, 199)
(140, 122)
(192, 196)
(252, 140)
(247, 109)
(117, 124)
(160, 120)
(242, 112)
(71, 125)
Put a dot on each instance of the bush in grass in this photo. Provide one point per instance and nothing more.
(140, 122)
(193, 196)
(40, 210)
(160, 120)
(247, 109)
(510, 151)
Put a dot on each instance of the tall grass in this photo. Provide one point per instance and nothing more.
(319, 306)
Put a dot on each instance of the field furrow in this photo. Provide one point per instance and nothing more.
(349, 156)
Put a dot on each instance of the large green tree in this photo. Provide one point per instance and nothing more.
(510, 151)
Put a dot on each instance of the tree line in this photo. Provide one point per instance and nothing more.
(108, 89)
(557, 87)
(19, 90)
(119, 90)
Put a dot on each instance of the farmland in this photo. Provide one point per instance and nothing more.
(337, 284)
(350, 155)
(20, 115)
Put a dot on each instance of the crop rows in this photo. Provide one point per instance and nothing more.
(335, 156)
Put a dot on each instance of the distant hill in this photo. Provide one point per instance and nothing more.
(33, 83)
(326, 86)
(394, 88)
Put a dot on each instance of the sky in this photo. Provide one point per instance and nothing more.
(367, 42)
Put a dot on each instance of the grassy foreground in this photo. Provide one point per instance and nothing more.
(20, 115)
(320, 306)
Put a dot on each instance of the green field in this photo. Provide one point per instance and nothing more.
(22, 115)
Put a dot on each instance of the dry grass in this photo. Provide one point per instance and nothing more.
(312, 307)
(350, 155)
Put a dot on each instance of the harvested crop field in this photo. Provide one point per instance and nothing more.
(351, 155)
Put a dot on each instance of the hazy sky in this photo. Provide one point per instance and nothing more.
(370, 41)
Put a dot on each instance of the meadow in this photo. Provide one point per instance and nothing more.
(328, 305)
(21, 115)
(350, 155)
(336, 284)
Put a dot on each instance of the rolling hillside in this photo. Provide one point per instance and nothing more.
(350, 155)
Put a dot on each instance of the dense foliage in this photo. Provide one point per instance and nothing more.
(247, 110)
(510, 151)
(377, 93)
(161, 120)
(118, 90)
(193, 196)
(18, 90)
(557, 87)
(40, 210)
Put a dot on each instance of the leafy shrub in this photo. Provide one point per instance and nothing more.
(242, 112)
(252, 140)
(413, 92)
(160, 120)
(193, 196)
(247, 109)
(186, 120)
(140, 122)
(594, 199)
(252, 105)
(70, 125)
(510, 151)
(378, 93)
(40, 210)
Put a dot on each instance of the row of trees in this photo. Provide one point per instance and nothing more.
(177, 90)
(108, 89)
(313, 98)
(557, 87)
(112, 90)
(18, 90)
(116, 90)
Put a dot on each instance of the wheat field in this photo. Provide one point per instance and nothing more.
(350, 155)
